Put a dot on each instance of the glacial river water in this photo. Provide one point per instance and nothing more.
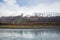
(29, 34)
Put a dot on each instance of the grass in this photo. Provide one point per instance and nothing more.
(30, 25)
(25, 27)
(14, 26)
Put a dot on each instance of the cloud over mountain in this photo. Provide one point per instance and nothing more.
(16, 7)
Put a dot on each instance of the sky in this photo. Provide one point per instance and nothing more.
(28, 7)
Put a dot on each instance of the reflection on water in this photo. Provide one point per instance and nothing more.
(29, 34)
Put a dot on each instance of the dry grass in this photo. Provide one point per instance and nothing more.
(30, 25)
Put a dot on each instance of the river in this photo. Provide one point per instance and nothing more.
(29, 34)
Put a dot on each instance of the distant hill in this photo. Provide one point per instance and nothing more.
(32, 19)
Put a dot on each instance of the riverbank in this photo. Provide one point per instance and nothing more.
(30, 25)
(27, 27)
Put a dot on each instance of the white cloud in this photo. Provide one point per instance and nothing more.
(10, 8)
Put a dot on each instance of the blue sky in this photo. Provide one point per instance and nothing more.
(1, 1)
(28, 7)
(34, 2)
